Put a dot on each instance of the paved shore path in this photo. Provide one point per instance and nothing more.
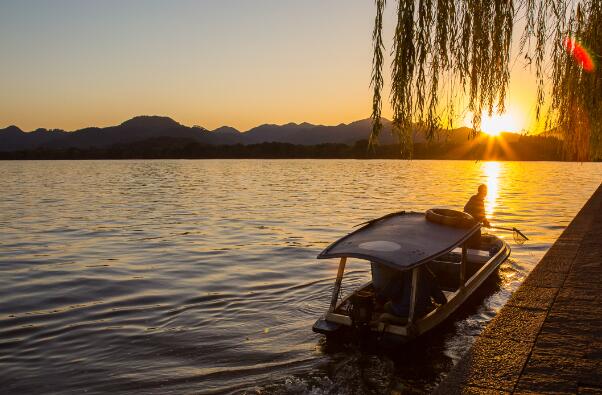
(548, 337)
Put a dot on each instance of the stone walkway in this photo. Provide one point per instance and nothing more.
(548, 337)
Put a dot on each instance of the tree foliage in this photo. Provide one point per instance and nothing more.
(444, 49)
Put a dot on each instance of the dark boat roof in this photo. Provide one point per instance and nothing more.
(400, 240)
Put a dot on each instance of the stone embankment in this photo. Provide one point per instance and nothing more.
(548, 337)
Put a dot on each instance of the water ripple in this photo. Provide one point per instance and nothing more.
(200, 276)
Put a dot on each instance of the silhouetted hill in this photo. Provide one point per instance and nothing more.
(147, 127)
(225, 135)
(227, 130)
(136, 129)
(308, 134)
(137, 134)
(13, 130)
(13, 139)
(150, 123)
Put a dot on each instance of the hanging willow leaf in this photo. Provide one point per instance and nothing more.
(447, 48)
(377, 72)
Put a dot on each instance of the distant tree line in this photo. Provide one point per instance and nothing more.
(523, 148)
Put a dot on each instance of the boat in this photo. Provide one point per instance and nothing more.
(441, 249)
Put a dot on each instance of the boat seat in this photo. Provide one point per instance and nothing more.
(392, 319)
(447, 274)
(478, 256)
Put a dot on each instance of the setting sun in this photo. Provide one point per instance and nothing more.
(495, 124)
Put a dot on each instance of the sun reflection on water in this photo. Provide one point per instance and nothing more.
(492, 172)
(212, 250)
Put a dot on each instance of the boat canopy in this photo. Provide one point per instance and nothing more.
(401, 241)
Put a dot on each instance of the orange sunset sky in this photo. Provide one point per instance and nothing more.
(70, 64)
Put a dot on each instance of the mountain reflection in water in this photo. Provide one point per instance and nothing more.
(200, 276)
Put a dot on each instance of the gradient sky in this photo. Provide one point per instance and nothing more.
(74, 63)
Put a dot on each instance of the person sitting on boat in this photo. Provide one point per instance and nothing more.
(476, 205)
(393, 289)
(476, 208)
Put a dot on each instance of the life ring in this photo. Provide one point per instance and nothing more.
(455, 218)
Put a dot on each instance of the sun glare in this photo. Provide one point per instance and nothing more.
(495, 124)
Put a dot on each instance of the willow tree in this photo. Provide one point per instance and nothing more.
(444, 50)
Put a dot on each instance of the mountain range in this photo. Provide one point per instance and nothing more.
(143, 128)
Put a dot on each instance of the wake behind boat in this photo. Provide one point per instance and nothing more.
(423, 268)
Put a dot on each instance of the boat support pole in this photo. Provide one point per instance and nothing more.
(415, 274)
(337, 284)
(463, 265)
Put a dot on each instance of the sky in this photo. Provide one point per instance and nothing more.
(70, 64)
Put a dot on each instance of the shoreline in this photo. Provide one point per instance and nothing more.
(547, 336)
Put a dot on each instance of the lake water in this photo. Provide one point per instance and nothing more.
(200, 276)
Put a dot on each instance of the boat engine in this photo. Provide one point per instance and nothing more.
(362, 305)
